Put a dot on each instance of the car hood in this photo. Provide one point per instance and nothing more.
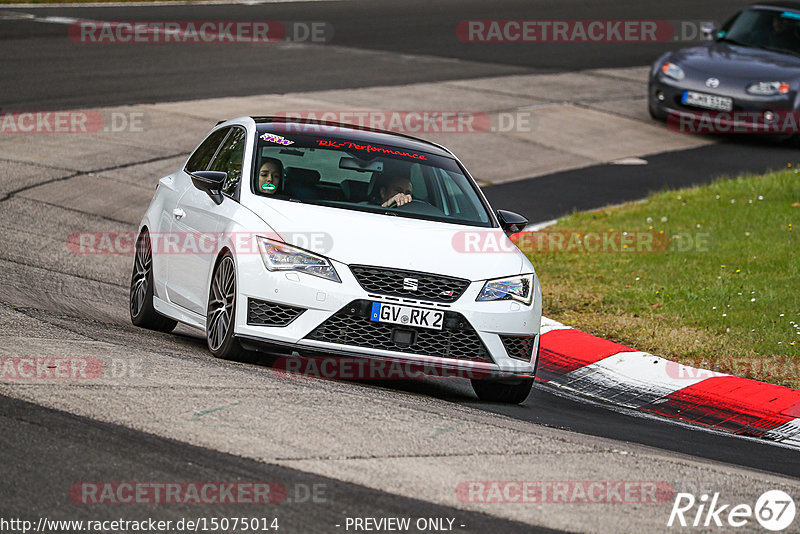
(354, 237)
(725, 60)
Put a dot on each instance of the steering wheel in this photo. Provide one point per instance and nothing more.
(420, 207)
(413, 201)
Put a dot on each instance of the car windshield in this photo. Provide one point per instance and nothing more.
(366, 177)
(764, 28)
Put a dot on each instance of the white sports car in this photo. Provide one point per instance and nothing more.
(317, 238)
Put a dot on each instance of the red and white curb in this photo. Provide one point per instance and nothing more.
(613, 373)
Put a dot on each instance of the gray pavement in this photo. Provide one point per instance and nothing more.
(404, 448)
(387, 42)
(57, 303)
(36, 439)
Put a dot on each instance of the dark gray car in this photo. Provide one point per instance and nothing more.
(746, 79)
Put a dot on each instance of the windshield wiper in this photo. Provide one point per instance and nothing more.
(733, 41)
(759, 46)
(778, 50)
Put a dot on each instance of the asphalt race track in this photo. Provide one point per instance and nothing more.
(41, 70)
(73, 442)
(374, 448)
(548, 197)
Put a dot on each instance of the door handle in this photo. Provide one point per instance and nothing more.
(178, 213)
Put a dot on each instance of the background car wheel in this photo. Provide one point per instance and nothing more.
(221, 313)
(492, 391)
(143, 313)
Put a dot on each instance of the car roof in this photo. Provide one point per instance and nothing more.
(779, 5)
(350, 132)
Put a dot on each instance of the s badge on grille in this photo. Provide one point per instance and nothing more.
(410, 284)
(446, 293)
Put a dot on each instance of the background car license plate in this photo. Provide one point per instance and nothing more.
(406, 315)
(702, 100)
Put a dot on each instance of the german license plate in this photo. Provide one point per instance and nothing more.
(702, 100)
(406, 315)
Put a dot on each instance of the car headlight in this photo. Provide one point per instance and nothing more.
(768, 88)
(671, 70)
(519, 288)
(282, 257)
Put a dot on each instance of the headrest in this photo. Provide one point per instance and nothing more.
(355, 190)
(297, 176)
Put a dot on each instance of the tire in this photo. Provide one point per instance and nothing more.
(656, 114)
(221, 313)
(494, 391)
(143, 314)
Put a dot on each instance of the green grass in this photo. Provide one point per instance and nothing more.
(731, 305)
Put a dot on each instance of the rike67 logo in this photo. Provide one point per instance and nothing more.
(774, 510)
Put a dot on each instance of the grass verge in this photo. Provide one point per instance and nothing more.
(721, 289)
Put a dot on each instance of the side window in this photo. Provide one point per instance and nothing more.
(462, 205)
(418, 184)
(229, 160)
(202, 156)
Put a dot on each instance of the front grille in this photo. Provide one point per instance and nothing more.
(519, 347)
(263, 313)
(387, 281)
(351, 326)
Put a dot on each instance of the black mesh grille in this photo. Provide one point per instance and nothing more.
(519, 347)
(263, 313)
(351, 326)
(386, 281)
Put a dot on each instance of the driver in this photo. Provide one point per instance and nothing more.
(781, 35)
(395, 192)
(269, 176)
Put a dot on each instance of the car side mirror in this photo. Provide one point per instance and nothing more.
(707, 29)
(210, 182)
(511, 222)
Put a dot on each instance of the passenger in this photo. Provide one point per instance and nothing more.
(270, 176)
